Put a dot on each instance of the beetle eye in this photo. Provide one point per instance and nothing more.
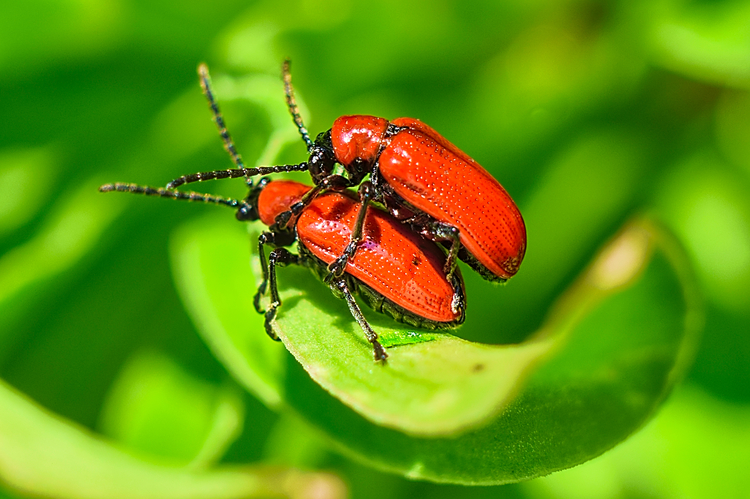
(246, 213)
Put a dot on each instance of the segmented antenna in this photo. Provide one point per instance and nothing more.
(235, 173)
(164, 193)
(241, 170)
(205, 79)
(292, 103)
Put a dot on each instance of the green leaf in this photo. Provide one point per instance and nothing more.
(210, 261)
(46, 456)
(443, 383)
(19, 190)
(708, 41)
(432, 384)
(156, 406)
(264, 91)
(294, 442)
(697, 446)
(71, 229)
(449, 410)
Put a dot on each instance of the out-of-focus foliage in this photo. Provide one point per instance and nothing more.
(587, 111)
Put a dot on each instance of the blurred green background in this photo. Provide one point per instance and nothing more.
(587, 112)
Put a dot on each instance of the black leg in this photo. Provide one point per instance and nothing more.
(340, 289)
(281, 257)
(338, 266)
(458, 302)
(439, 231)
(266, 238)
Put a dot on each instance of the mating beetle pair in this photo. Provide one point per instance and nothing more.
(424, 181)
(418, 175)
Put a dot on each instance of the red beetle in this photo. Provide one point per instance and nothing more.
(418, 175)
(395, 270)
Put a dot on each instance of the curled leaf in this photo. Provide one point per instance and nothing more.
(450, 410)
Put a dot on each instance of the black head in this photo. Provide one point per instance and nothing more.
(248, 210)
(322, 159)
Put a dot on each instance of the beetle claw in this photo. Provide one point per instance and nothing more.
(379, 352)
(336, 268)
(270, 316)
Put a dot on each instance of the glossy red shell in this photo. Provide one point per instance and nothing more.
(276, 197)
(357, 137)
(436, 177)
(391, 259)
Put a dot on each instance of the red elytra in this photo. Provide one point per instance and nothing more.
(392, 261)
(432, 176)
(424, 180)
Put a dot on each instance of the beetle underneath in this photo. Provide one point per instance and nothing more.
(396, 272)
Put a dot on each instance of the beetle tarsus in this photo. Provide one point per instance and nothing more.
(458, 302)
(337, 268)
(340, 287)
(258, 295)
(379, 352)
(268, 324)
